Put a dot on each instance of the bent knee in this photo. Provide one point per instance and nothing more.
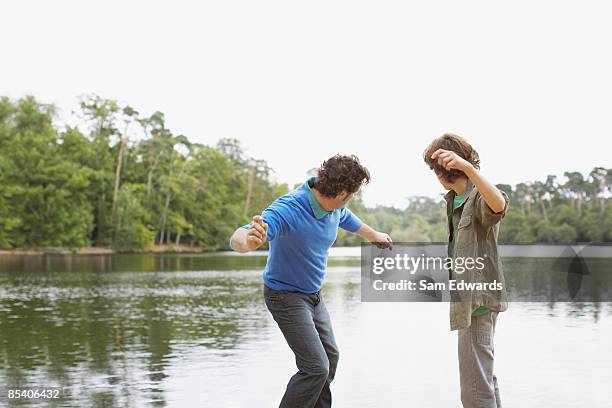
(318, 370)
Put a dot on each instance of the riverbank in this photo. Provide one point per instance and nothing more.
(521, 251)
(100, 250)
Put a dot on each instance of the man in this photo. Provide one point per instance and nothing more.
(301, 226)
(475, 208)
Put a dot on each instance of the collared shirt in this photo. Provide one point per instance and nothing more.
(318, 211)
(477, 228)
(300, 233)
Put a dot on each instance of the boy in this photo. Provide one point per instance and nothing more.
(475, 208)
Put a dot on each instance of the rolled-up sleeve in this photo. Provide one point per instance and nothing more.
(485, 214)
(349, 221)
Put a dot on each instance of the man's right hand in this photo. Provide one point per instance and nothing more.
(256, 235)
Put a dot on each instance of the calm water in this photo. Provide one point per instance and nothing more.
(193, 330)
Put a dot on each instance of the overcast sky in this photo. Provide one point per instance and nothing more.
(529, 83)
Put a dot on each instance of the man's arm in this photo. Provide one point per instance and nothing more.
(380, 238)
(245, 240)
(351, 223)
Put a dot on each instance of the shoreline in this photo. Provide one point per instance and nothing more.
(100, 250)
(506, 250)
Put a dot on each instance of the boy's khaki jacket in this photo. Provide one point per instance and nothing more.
(476, 237)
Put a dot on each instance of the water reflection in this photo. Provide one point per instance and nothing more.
(132, 330)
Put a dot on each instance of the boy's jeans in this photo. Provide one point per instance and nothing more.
(478, 383)
(305, 323)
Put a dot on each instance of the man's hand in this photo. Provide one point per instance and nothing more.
(381, 240)
(245, 240)
(256, 234)
(451, 160)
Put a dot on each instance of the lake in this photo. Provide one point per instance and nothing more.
(182, 330)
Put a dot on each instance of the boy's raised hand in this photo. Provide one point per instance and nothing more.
(451, 160)
(256, 234)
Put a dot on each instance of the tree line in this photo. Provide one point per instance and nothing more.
(129, 182)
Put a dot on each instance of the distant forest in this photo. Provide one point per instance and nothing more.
(124, 180)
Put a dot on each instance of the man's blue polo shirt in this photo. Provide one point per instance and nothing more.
(300, 233)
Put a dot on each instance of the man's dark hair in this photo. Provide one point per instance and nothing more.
(341, 173)
(457, 144)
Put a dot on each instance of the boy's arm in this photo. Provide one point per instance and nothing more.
(491, 194)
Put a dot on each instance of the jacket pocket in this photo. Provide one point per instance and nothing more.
(465, 235)
(465, 221)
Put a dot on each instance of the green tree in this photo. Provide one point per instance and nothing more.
(43, 187)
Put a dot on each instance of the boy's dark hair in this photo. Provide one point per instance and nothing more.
(457, 144)
(341, 173)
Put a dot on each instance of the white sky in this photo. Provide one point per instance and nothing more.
(529, 83)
